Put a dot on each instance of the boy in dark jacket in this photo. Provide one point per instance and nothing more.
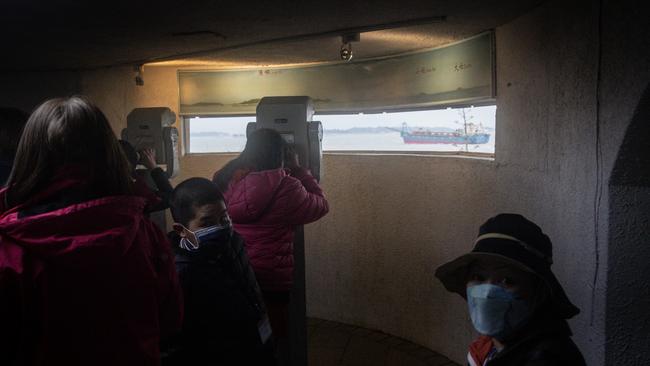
(225, 319)
(515, 301)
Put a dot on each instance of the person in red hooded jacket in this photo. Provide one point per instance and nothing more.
(85, 278)
(268, 195)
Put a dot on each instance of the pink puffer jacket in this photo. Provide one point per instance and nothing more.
(265, 207)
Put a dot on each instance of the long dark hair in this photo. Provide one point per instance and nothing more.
(67, 131)
(264, 150)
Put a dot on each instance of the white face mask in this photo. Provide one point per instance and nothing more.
(495, 311)
(202, 234)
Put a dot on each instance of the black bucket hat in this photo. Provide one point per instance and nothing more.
(510, 239)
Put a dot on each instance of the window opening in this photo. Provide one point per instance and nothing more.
(462, 130)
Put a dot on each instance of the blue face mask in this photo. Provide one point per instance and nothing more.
(495, 311)
(204, 234)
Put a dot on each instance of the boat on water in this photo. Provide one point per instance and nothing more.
(472, 134)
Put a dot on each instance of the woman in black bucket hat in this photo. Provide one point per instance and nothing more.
(515, 301)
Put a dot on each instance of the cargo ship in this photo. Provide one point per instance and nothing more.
(472, 134)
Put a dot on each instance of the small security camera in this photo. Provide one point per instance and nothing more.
(346, 45)
(138, 71)
(346, 52)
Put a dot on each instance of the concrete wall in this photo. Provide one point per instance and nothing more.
(395, 218)
(565, 72)
(546, 112)
(628, 294)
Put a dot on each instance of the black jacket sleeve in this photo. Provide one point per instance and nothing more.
(164, 189)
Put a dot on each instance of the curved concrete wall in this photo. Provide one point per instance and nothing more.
(395, 218)
(628, 295)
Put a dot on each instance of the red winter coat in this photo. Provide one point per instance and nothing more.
(265, 207)
(92, 283)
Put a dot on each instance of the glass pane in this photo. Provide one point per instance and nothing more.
(469, 129)
(219, 134)
(453, 129)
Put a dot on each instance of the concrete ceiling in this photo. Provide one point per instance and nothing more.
(72, 35)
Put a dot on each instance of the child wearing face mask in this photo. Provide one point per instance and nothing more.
(515, 301)
(225, 320)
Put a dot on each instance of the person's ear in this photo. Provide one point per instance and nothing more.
(180, 229)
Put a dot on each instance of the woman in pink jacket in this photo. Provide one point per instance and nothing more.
(268, 195)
